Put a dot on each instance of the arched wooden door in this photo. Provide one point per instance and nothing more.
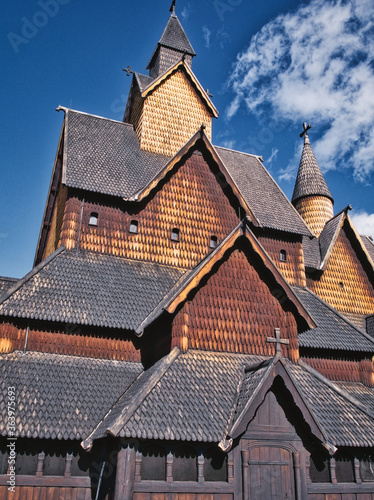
(268, 473)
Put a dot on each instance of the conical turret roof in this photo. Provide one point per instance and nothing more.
(310, 180)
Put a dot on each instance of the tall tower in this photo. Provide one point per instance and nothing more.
(311, 196)
(168, 106)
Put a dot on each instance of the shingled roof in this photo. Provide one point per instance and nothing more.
(199, 393)
(310, 180)
(92, 143)
(268, 202)
(6, 284)
(333, 330)
(61, 397)
(91, 289)
(104, 156)
(174, 37)
(369, 245)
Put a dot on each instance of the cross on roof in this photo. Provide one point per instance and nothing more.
(172, 8)
(278, 341)
(306, 128)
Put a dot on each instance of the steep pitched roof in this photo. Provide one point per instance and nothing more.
(267, 201)
(206, 396)
(317, 251)
(104, 156)
(92, 143)
(174, 37)
(61, 397)
(143, 81)
(192, 401)
(91, 289)
(333, 330)
(369, 245)
(329, 235)
(6, 284)
(310, 180)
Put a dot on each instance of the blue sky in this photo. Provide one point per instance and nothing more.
(270, 66)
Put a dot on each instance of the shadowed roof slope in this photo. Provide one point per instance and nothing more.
(333, 330)
(268, 202)
(104, 156)
(91, 289)
(310, 180)
(61, 397)
(199, 394)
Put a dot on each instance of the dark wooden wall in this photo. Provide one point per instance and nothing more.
(183, 202)
(235, 311)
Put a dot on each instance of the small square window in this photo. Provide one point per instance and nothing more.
(213, 242)
(283, 256)
(134, 227)
(175, 234)
(94, 218)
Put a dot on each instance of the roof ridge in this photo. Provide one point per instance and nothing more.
(337, 313)
(66, 110)
(5, 296)
(126, 413)
(335, 388)
(236, 151)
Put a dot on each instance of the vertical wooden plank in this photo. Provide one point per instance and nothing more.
(158, 496)
(43, 494)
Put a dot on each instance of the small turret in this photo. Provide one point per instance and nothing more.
(311, 196)
(173, 45)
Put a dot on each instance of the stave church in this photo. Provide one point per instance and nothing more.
(186, 331)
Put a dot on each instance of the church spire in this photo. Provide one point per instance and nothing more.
(172, 46)
(311, 196)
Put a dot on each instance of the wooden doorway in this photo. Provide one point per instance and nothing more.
(268, 473)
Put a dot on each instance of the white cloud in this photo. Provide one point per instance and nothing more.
(206, 35)
(364, 223)
(186, 12)
(228, 143)
(317, 65)
(274, 154)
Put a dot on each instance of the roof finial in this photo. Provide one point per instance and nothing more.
(305, 133)
(172, 8)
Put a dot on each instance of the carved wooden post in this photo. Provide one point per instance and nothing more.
(308, 478)
(357, 471)
(39, 467)
(230, 469)
(200, 467)
(333, 471)
(297, 467)
(138, 466)
(169, 467)
(245, 474)
(125, 475)
(69, 459)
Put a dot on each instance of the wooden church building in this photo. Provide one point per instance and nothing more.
(186, 331)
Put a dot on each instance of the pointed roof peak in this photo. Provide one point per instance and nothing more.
(173, 37)
(310, 180)
(172, 8)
